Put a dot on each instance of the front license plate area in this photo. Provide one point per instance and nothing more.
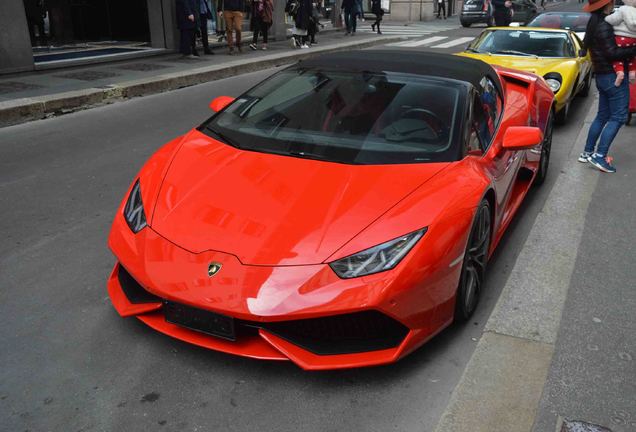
(200, 320)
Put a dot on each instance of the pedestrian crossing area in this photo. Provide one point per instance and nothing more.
(439, 42)
(411, 31)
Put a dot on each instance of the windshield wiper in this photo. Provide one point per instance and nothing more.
(220, 137)
(469, 49)
(513, 52)
(306, 155)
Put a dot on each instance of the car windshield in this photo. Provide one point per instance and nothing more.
(571, 21)
(345, 117)
(524, 43)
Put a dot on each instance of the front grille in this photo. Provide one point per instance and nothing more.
(134, 292)
(340, 334)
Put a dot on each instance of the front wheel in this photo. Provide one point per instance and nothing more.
(562, 116)
(474, 265)
(586, 87)
(465, 24)
(546, 148)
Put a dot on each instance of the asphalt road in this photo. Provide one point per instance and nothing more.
(70, 363)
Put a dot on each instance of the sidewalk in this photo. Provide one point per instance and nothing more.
(558, 350)
(35, 95)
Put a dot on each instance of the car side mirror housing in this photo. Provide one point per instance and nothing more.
(220, 102)
(582, 52)
(522, 138)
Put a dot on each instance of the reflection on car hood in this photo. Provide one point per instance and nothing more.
(540, 66)
(274, 210)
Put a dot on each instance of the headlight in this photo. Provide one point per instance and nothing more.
(134, 210)
(378, 258)
(553, 80)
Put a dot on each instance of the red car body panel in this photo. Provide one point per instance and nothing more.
(274, 222)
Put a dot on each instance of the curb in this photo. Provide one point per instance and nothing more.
(502, 385)
(18, 111)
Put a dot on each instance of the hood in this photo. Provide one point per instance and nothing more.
(273, 210)
(540, 66)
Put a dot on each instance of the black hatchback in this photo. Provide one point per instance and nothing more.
(481, 11)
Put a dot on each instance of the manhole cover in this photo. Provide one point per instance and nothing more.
(580, 426)
(143, 67)
(16, 86)
(88, 75)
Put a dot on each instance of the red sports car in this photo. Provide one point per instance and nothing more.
(339, 214)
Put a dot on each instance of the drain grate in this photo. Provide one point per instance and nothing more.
(580, 426)
(143, 67)
(16, 86)
(88, 75)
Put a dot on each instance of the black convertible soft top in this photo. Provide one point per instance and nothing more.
(414, 62)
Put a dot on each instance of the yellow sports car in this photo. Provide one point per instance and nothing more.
(554, 54)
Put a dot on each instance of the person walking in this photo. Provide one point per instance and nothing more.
(376, 9)
(206, 14)
(349, 9)
(300, 11)
(314, 22)
(441, 8)
(613, 100)
(188, 20)
(232, 13)
(262, 15)
(503, 12)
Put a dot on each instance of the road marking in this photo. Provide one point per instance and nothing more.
(412, 44)
(454, 42)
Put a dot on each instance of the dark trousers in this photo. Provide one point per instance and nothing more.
(441, 7)
(350, 20)
(502, 18)
(204, 34)
(261, 27)
(186, 45)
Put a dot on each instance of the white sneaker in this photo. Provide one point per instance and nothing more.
(304, 46)
(584, 157)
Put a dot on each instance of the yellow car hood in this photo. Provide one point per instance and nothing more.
(539, 66)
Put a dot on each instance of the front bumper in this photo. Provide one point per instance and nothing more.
(266, 298)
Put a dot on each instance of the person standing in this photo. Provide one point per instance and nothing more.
(301, 13)
(503, 12)
(188, 20)
(262, 13)
(232, 13)
(206, 14)
(613, 101)
(314, 22)
(376, 9)
(441, 8)
(349, 9)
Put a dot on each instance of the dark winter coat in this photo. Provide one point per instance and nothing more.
(301, 20)
(348, 5)
(603, 49)
(186, 8)
(231, 5)
(376, 7)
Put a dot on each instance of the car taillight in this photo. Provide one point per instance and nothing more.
(485, 8)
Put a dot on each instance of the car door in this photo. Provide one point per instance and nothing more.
(583, 62)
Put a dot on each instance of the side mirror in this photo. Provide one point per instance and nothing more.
(220, 102)
(582, 52)
(522, 138)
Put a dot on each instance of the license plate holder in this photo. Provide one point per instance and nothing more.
(200, 320)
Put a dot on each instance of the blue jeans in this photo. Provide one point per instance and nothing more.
(613, 105)
(350, 20)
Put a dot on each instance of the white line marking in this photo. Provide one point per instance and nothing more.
(411, 43)
(454, 42)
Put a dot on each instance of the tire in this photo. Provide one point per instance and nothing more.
(562, 116)
(546, 149)
(474, 264)
(465, 24)
(588, 84)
